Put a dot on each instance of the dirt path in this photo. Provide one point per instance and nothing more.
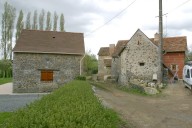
(171, 110)
(6, 88)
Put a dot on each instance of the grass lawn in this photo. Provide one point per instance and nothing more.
(5, 80)
(4, 116)
(71, 106)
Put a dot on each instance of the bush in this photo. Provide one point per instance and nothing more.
(136, 88)
(5, 68)
(80, 78)
(72, 106)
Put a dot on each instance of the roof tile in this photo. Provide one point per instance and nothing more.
(35, 41)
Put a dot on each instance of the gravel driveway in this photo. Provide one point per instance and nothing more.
(173, 109)
(11, 102)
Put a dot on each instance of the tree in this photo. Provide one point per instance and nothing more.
(28, 21)
(90, 63)
(41, 19)
(8, 18)
(20, 24)
(55, 21)
(5, 68)
(48, 23)
(35, 26)
(62, 22)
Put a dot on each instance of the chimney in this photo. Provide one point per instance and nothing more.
(111, 48)
(156, 37)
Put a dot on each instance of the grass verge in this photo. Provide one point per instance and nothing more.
(107, 86)
(73, 105)
(4, 116)
(5, 80)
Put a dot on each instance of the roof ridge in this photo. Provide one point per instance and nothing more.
(51, 31)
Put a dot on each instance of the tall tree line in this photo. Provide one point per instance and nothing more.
(7, 27)
(43, 21)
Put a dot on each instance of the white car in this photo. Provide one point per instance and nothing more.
(187, 75)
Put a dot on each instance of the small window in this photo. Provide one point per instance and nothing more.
(174, 67)
(46, 75)
(141, 63)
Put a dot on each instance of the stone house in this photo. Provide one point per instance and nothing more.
(104, 61)
(138, 57)
(45, 60)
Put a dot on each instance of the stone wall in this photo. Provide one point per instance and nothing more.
(27, 71)
(102, 69)
(139, 59)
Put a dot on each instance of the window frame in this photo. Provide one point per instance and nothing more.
(174, 67)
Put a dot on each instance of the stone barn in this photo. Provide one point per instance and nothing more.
(104, 61)
(45, 60)
(137, 58)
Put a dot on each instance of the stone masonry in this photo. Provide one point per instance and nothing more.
(139, 59)
(27, 71)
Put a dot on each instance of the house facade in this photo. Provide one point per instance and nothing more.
(105, 61)
(174, 54)
(45, 60)
(138, 57)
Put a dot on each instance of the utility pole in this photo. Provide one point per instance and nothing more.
(160, 42)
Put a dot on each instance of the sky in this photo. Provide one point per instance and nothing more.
(104, 22)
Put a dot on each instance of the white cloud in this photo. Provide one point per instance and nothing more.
(87, 15)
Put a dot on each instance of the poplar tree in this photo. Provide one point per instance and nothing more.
(28, 21)
(48, 23)
(62, 23)
(41, 19)
(55, 21)
(12, 15)
(20, 24)
(35, 26)
(8, 18)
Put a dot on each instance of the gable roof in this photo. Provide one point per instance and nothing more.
(104, 51)
(119, 47)
(173, 44)
(35, 41)
(170, 44)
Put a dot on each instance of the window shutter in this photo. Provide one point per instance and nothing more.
(46, 75)
(43, 76)
(50, 75)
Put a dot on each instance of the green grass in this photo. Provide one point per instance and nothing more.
(72, 106)
(5, 80)
(4, 116)
(107, 86)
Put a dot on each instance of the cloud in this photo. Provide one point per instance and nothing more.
(87, 15)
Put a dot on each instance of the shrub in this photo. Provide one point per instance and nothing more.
(71, 106)
(80, 78)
